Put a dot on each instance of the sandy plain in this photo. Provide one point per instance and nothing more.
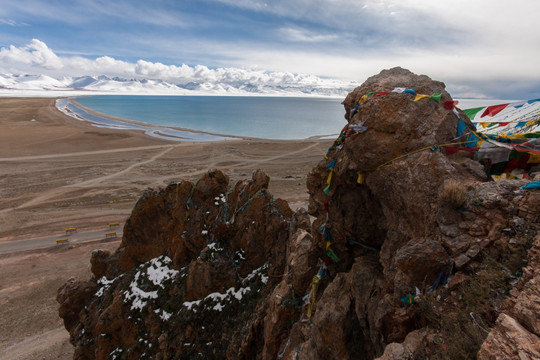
(58, 172)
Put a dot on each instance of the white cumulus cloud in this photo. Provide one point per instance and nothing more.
(36, 54)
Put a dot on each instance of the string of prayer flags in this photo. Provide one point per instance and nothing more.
(401, 90)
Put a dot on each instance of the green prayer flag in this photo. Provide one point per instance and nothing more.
(436, 97)
(332, 255)
(326, 190)
(471, 113)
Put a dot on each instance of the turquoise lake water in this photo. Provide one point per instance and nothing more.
(260, 117)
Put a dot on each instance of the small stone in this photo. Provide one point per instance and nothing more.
(457, 280)
(461, 261)
(473, 251)
(449, 230)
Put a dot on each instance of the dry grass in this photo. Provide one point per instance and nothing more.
(453, 194)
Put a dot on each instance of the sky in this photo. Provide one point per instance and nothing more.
(479, 48)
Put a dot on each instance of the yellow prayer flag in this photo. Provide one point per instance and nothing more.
(533, 158)
(360, 179)
(420, 96)
(364, 97)
(329, 179)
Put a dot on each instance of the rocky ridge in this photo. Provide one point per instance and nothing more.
(411, 253)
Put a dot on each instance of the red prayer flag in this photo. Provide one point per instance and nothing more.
(503, 124)
(451, 150)
(450, 104)
(381, 93)
(494, 110)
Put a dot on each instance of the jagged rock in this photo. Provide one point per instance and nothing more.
(457, 245)
(101, 263)
(72, 297)
(458, 280)
(419, 260)
(510, 340)
(530, 206)
(526, 306)
(517, 332)
(222, 243)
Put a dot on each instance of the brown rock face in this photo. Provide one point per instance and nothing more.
(517, 332)
(194, 262)
(392, 266)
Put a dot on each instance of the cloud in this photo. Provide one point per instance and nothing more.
(35, 54)
(36, 57)
(11, 22)
(303, 35)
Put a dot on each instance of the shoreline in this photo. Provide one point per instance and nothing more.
(71, 107)
(179, 134)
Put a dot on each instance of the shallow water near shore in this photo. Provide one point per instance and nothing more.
(259, 117)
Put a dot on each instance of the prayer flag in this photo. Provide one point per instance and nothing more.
(460, 127)
(436, 97)
(450, 104)
(471, 113)
(332, 164)
(494, 110)
(420, 96)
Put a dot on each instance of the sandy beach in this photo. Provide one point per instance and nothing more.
(58, 172)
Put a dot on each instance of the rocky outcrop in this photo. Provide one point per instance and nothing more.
(517, 332)
(404, 252)
(194, 262)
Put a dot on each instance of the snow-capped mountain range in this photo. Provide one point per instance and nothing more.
(43, 85)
